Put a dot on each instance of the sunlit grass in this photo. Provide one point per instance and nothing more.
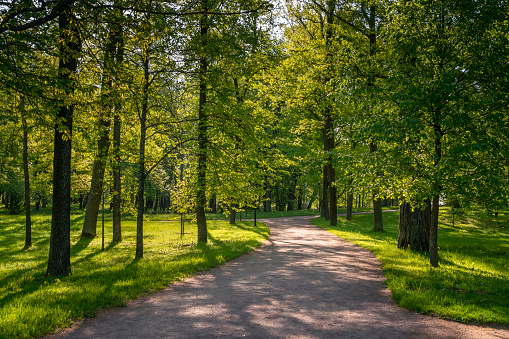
(33, 305)
(472, 282)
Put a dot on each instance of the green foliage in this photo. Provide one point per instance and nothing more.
(13, 192)
(471, 284)
(32, 305)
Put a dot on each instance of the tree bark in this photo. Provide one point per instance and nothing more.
(324, 210)
(117, 186)
(267, 205)
(140, 201)
(59, 260)
(378, 224)
(291, 192)
(412, 229)
(300, 198)
(435, 208)
(233, 213)
(103, 143)
(433, 234)
(26, 174)
(427, 217)
(201, 182)
(349, 206)
(117, 127)
(328, 136)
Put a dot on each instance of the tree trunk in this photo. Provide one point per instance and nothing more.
(140, 201)
(117, 188)
(349, 206)
(378, 224)
(59, 260)
(268, 196)
(291, 192)
(28, 219)
(117, 127)
(412, 229)
(300, 198)
(331, 174)
(324, 210)
(433, 234)
(103, 144)
(233, 213)
(427, 217)
(201, 182)
(328, 129)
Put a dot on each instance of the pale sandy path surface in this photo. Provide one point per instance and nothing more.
(302, 283)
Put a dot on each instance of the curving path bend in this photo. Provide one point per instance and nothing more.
(302, 283)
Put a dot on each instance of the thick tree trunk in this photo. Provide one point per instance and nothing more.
(201, 182)
(378, 224)
(412, 229)
(59, 260)
(28, 218)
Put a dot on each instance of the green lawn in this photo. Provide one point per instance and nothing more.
(472, 282)
(34, 305)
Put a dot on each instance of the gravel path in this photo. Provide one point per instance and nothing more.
(302, 283)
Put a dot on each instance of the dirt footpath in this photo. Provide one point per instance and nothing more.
(302, 283)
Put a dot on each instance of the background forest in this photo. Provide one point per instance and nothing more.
(210, 106)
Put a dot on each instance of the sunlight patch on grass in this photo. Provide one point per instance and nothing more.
(472, 282)
(34, 305)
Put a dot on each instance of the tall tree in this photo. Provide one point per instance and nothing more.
(445, 82)
(111, 50)
(59, 262)
(26, 174)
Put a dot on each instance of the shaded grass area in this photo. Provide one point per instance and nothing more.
(472, 282)
(34, 305)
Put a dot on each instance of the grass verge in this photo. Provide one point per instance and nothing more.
(472, 282)
(34, 305)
